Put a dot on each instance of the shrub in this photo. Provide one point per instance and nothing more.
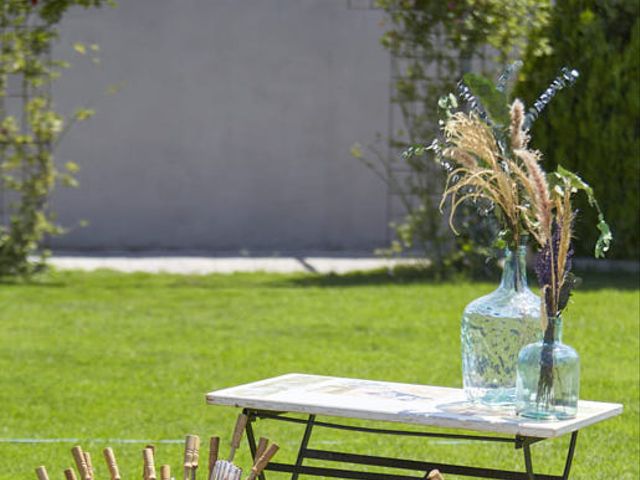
(594, 128)
(30, 129)
(432, 44)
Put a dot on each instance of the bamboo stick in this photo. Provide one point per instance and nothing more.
(195, 457)
(263, 461)
(81, 462)
(214, 448)
(149, 464)
(189, 446)
(241, 424)
(165, 472)
(112, 465)
(262, 446)
(87, 460)
(69, 474)
(41, 473)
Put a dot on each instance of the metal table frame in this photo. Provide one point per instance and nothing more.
(306, 453)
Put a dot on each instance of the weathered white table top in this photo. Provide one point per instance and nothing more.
(397, 402)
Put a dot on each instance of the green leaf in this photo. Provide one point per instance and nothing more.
(114, 88)
(356, 150)
(414, 151)
(576, 183)
(500, 243)
(80, 48)
(72, 167)
(84, 113)
(448, 104)
(604, 240)
(490, 98)
(69, 181)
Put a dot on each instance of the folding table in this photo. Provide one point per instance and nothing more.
(282, 398)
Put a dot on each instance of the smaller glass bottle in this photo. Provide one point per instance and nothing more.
(548, 383)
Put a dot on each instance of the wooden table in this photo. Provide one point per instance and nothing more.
(312, 395)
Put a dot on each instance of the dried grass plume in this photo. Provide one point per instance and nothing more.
(519, 137)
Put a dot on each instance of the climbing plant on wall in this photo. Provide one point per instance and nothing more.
(431, 45)
(30, 129)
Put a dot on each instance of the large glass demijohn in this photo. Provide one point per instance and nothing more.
(494, 330)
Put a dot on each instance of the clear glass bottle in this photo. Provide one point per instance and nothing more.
(548, 383)
(494, 330)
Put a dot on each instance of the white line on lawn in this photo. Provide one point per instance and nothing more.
(129, 440)
(77, 440)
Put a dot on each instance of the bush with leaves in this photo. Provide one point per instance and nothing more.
(445, 36)
(595, 128)
(30, 129)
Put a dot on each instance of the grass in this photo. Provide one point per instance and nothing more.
(113, 356)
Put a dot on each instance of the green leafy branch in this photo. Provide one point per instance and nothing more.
(28, 137)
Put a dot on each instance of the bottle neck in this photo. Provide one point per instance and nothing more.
(514, 274)
(553, 333)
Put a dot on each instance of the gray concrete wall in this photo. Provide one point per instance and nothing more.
(233, 129)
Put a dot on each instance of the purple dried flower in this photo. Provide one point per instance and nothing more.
(549, 279)
(543, 270)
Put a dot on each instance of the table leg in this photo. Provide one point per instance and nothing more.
(526, 444)
(251, 439)
(527, 460)
(304, 444)
(572, 449)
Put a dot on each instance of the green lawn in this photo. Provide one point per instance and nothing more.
(114, 356)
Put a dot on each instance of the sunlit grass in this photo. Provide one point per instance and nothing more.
(102, 355)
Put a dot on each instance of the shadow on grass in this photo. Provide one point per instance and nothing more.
(413, 275)
(6, 282)
(404, 275)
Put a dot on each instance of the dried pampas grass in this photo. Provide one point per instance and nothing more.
(510, 177)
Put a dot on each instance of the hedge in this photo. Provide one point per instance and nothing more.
(594, 128)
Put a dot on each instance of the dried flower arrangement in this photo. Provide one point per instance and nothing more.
(485, 149)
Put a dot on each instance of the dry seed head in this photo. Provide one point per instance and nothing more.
(460, 157)
(471, 135)
(541, 201)
(519, 137)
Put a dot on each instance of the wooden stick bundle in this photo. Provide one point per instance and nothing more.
(264, 453)
(225, 469)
